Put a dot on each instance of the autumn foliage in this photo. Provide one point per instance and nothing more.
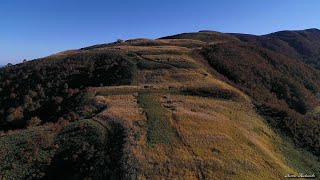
(284, 89)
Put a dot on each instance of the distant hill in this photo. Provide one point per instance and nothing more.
(303, 44)
(202, 105)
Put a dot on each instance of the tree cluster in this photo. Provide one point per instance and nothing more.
(44, 90)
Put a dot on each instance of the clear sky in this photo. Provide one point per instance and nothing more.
(36, 28)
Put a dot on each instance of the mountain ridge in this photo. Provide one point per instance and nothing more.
(201, 105)
(302, 44)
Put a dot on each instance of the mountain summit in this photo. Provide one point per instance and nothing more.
(202, 105)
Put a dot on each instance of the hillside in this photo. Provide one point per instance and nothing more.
(284, 89)
(303, 45)
(184, 106)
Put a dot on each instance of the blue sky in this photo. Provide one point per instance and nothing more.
(36, 28)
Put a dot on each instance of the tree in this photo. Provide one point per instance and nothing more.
(66, 86)
(15, 114)
(34, 121)
(72, 116)
(27, 101)
(120, 41)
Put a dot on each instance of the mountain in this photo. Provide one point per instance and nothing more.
(303, 44)
(203, 105)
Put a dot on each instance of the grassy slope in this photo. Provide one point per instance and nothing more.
(211, 138)
(169, 133)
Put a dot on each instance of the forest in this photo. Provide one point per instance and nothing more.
(45, 90)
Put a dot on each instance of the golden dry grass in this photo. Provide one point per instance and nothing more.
(223, 131)
(165, 42)
(215, 138)
(148, 50)
(64, 54)
(169, 58)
